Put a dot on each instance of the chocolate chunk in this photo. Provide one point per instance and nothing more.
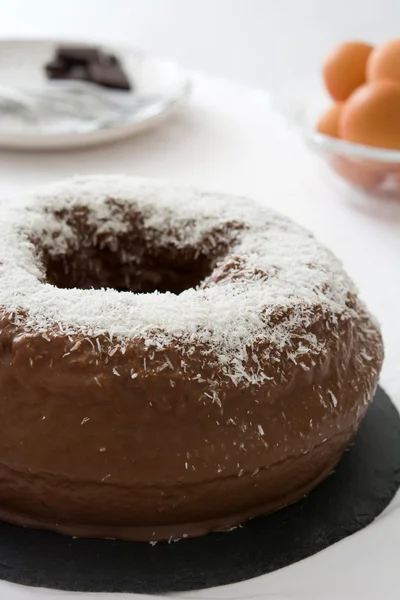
(88, 63)
(111, 76)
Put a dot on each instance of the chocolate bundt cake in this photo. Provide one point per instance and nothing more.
(172, 361)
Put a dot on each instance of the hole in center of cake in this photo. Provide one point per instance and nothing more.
(165, 270)
(112, 246)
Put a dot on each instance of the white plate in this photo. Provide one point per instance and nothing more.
(103, 115)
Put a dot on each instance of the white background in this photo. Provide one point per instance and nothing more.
(259, 42)
(227, 139)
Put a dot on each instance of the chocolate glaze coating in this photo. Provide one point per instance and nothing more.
(128, 444)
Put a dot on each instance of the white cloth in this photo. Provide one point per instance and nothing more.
(228, 139)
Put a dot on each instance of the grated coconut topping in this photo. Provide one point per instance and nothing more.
(272, 266)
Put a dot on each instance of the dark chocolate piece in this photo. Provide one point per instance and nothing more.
(88, 63)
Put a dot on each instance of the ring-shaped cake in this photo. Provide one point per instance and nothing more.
(172, 361)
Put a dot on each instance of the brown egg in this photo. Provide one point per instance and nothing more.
(371, 115)
(344, 69)
(357, 173)
(384, 62)
(328, 124)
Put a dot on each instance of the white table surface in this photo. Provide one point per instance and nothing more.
(227, 139)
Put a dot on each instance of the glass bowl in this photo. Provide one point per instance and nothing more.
(375, 171)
